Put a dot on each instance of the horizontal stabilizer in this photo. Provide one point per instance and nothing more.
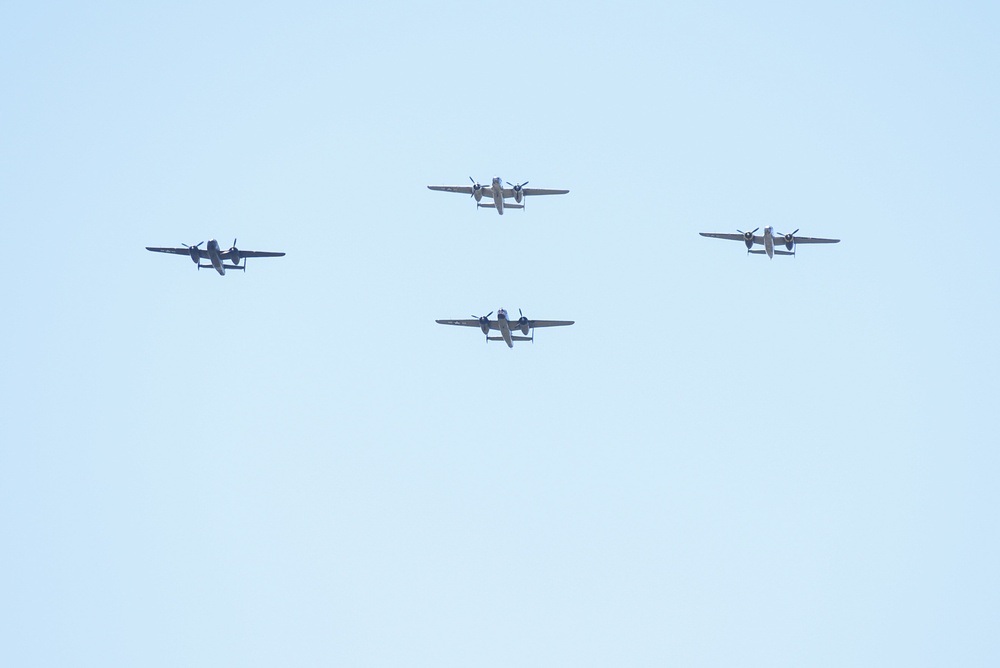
(521, 338)
(224, 266)
(495, 338)
(492, 205)
(776, 252)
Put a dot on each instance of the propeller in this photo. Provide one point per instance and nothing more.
(484, 324)
(518, 195)
(194, 253)
(790, 240)
(475, 187)
(748, 238)
(234, 253)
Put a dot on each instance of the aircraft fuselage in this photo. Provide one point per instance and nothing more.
(215, 258)
(769, 241)
(504, 326)
(497, 191)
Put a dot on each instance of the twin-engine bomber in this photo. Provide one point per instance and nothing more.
(496, 192)
(768, 241)
(504, 326)
(215, 256)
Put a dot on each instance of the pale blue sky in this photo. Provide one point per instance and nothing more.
(726, 461)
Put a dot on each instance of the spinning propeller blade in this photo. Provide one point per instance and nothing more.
(475, 187)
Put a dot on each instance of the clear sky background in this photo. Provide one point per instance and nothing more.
(728, 460)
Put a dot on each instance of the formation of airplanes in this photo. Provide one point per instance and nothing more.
(215, 256)
(503, 325)
(768, 240)
(496, 196)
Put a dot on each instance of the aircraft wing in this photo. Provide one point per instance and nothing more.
(226, 255)
(546, 323)
(468, 323)
(177, 251)
(812, 240)
(723, 235)
(508, 193)
(537, 191)
(757, 239)
(465, 190)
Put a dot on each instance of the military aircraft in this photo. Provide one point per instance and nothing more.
(504, 326)
(215, 256)
(498, 193)
(768, 240)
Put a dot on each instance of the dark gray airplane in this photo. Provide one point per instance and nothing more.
(215, 255)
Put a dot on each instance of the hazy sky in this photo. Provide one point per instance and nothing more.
(728, 460)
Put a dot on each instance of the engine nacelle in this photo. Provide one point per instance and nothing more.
(195, 254)
(518, 195)
(477, 190)
(522, 324)
(789, 239)
(484, 324)
(234, 255)
(748, 239)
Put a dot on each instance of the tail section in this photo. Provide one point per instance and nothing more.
(224, 266)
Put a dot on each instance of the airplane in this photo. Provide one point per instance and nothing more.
(215, 256)
(789, 240)
(498, 193)
(504, 326)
